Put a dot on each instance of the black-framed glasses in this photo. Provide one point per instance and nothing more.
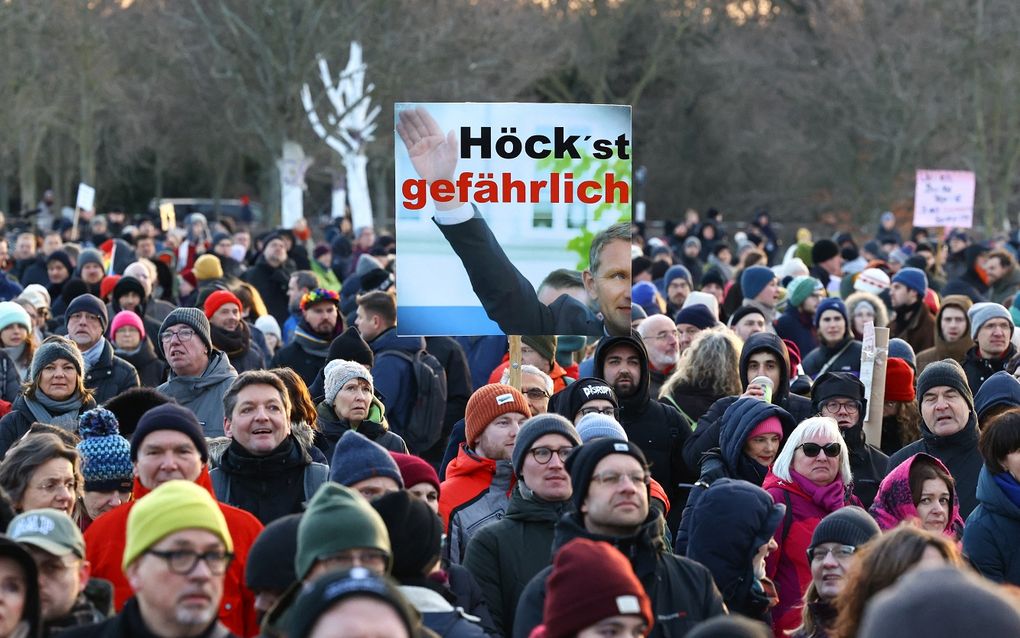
(184, 561)
(610, 411)
(839, 552)
(835, 405)
(182, 335)
(610, 477)
(536, 394)
(543, 455)
(812, 450)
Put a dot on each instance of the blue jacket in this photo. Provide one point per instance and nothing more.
(796, 326)
(989, 537)
(729, 460)
(394, 376)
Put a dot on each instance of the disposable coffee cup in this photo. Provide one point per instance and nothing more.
(766, 384)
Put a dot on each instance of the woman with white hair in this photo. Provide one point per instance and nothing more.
(811, 476)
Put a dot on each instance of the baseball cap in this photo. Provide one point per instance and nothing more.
(50, 530)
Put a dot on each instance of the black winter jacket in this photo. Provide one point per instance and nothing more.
(959, 452)
(978, 368)
(272, 285)
(110, 376)
(152, 370)
(682, 591)
(129, 623)
(507, 554)
(847, 355)
(658, 429)
(16, 423)
(295, 357)
(269, 487)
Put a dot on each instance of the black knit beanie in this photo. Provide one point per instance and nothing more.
(416, 533)
(849, 525)
(350, 346)
(535, 428)
(582, 462)
(270, 562)
(170, 416)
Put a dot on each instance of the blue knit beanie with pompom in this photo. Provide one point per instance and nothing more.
(106, 455)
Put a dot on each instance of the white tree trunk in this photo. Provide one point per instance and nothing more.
(292, 167)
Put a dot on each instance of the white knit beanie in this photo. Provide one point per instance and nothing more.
(338, 372)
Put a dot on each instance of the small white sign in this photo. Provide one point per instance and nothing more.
(944, 198)
(86, 197)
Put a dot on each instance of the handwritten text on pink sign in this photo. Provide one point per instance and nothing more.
(944, 198)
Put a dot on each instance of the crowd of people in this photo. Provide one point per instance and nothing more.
(212, 432)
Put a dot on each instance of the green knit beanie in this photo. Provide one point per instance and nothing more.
(800, 289)
(337, 519)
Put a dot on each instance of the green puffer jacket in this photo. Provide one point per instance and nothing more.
(504, 556)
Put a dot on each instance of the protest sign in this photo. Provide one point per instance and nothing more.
(518, 191)
(944, 198)
(86, 197)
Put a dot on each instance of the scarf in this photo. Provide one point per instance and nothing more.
(63, 414)
(91, 356)
(15, 353)
(234, 342)
(314, 343)
(1009, 486)
(829, 497)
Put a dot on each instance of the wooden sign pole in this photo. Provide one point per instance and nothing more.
(515, 360)
(876, 402)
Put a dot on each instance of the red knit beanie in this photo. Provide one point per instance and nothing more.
(607, 581)
(415, 470)
(899, 381)
(771, 425)
(489, 402)
(217, 299)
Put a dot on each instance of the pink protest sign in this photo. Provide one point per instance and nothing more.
(944, 198)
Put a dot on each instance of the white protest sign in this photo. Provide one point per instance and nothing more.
(944, 198)
(86, 197)
(868, 363)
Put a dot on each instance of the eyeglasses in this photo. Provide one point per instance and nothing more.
(839, 552)
(610, 477)
(182, 335)
(606, 411)
(834, 406)
(543, 455)
(812, 450)
(50, 486)
(370, 558)
(669, 334)
(536, 394)
(183, 561)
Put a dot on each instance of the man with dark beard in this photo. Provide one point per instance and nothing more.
(320, 324)
(230, 333)
(658, 429)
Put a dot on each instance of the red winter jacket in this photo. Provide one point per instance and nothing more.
(104, 549)
(788, 566)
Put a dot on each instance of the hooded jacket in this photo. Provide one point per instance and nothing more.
(504, 556)
(881, 312)
(956, 350)
(895, 502)
(682, 591)
(110, 376)
(729, 459)
(104, 548)
(394, 376)
(788, 566)
(706, 435)
(476, 493)
(658, 429)
(958, 452)
(272, 285)
(727, 532)
(989, 539)
(204, 394)
(374, 427)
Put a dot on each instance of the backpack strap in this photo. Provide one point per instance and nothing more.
(691, 423)
(787, 518)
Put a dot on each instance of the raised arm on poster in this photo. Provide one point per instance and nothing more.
(944, 198)
(508, 297)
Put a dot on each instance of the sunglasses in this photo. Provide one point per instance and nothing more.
(812, 450)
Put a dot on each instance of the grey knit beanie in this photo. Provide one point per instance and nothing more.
(53, 348)
(944, 373)
(191, 317)
(599, 426)
(338, 372)
(981, 313)
(535, 428)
